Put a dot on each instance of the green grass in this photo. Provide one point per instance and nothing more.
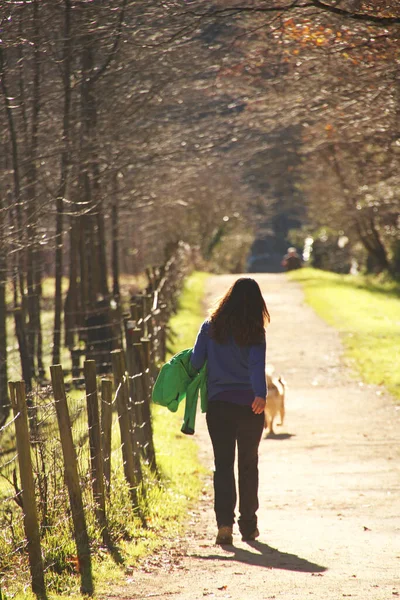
(186, 322)
(367, 313)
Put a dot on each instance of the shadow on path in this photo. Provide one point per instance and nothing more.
(279, 436)
(268, 557)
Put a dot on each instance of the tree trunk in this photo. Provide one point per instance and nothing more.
(4, 400)
(33, 302)
(39, 345)
(101, 243)
(17, 222)
(93, 266)
(85, 251)
(56, 358)
(369, 237)
(115, 241)
(64, 167)
(72, 309)
(20, 332)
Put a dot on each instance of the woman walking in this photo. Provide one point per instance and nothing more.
(232, 341)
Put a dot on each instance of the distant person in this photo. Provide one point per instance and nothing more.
(233, 342)
(292, 260)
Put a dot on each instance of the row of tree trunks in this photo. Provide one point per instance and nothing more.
(88, 285)
(64, 169)
(33, 255)
(25, 249)
(4, 402)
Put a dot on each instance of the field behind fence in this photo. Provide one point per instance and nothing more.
(75, 466)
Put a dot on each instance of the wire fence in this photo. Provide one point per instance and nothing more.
(75, 463)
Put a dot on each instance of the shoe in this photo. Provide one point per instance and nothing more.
(251, 536)
(224, 536)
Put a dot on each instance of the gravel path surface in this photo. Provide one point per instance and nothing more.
(329, 484)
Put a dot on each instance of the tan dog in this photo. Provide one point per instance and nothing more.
(275, 401)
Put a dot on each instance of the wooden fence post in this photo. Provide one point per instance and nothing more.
(132, 467)
(135, 387)
(106, 424)
(26, 359)
(163, 332)
(140, 323)
(72, 480)
(96, 454)
(145, 313)
(134, 312)
(31, 522)
(75, 364)
(141, 355)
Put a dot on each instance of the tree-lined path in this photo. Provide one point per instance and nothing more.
(329, 491)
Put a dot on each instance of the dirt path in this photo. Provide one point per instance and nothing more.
(329, 491)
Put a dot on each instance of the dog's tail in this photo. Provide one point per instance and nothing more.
(283, 384)
(282, 410)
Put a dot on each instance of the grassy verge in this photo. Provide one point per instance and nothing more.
(185, 323)
(367, 313)
(167, 501)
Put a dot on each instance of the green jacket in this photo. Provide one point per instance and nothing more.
(178, 380)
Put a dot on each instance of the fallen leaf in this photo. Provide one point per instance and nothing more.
(74, 563)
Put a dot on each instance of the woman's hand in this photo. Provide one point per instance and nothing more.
(258, 405)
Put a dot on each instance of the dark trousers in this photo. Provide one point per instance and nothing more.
(230, 424)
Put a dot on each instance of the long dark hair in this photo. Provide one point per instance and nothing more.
(240, 313)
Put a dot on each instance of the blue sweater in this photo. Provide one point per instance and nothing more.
(230, 367)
